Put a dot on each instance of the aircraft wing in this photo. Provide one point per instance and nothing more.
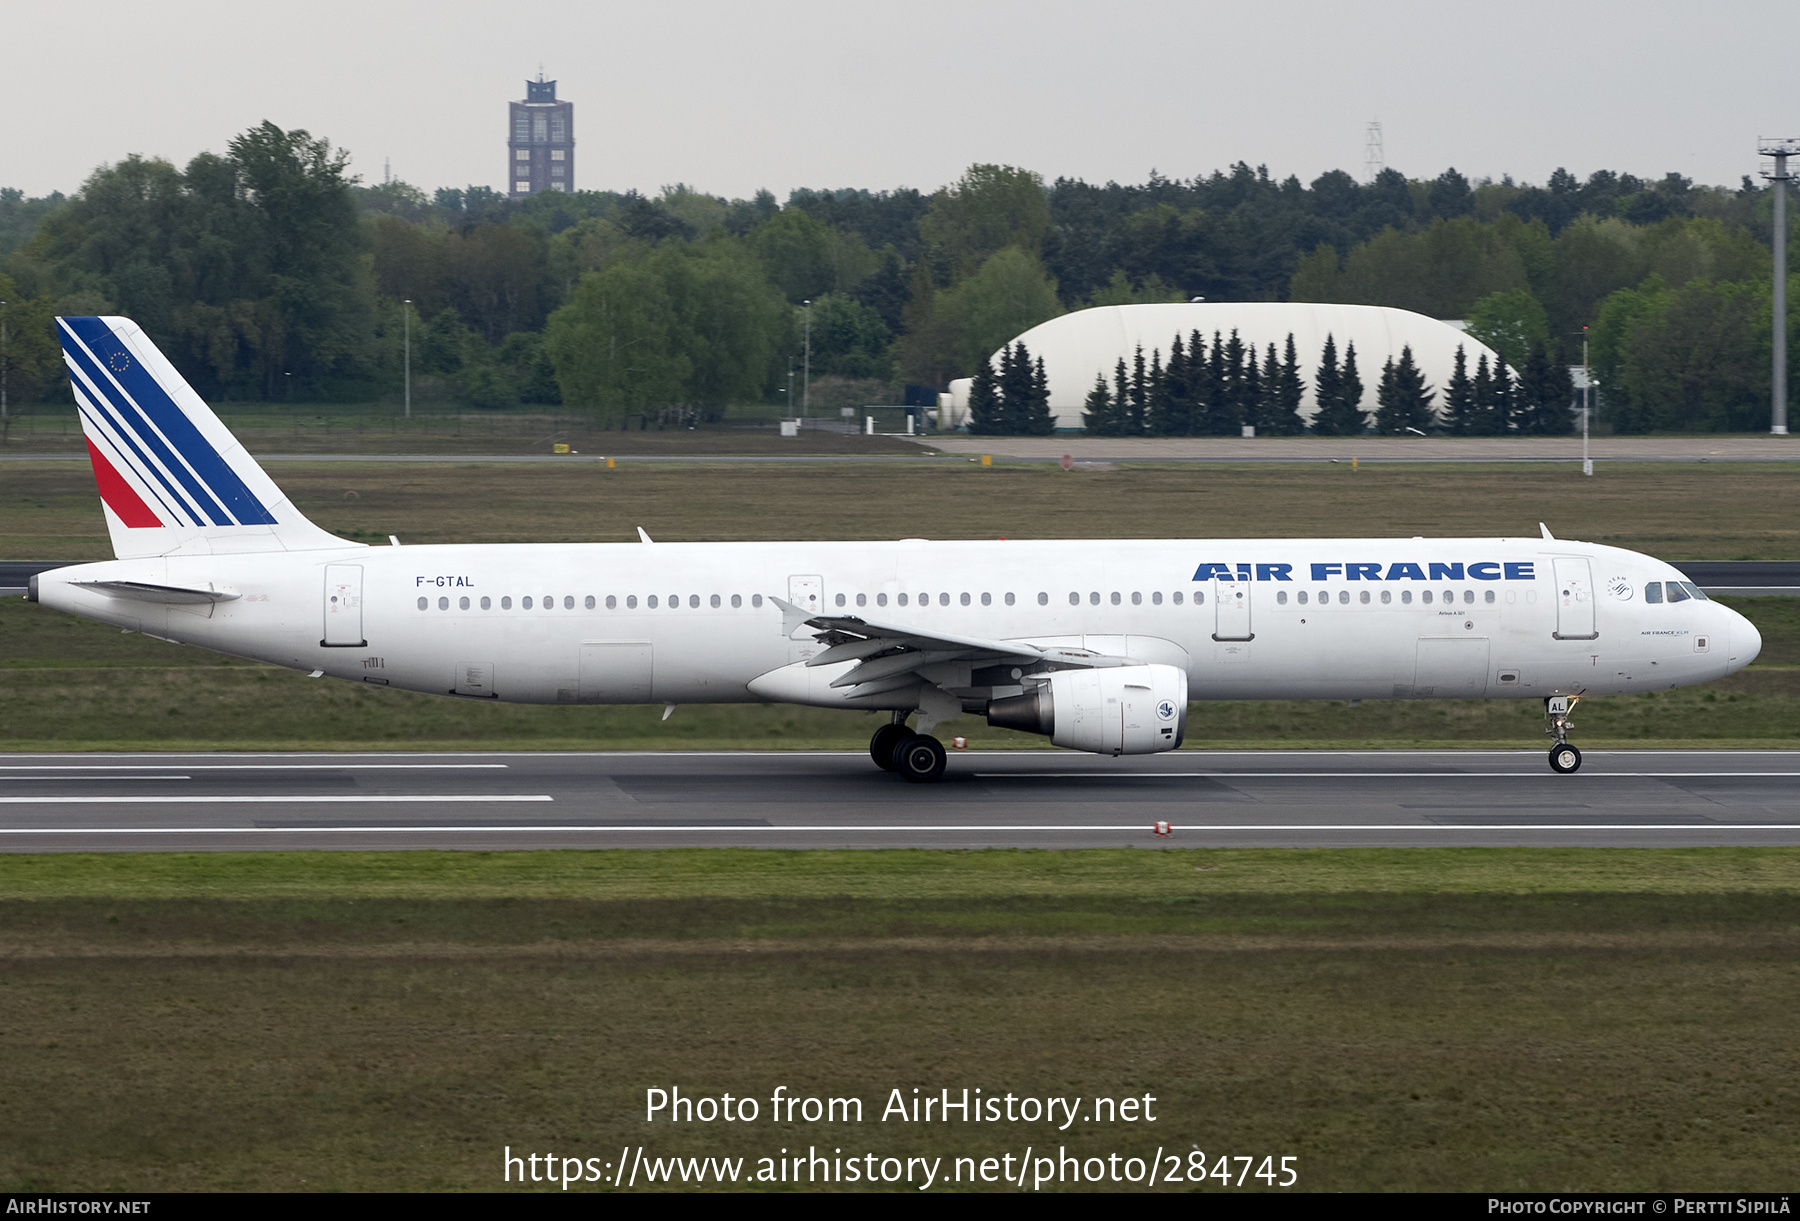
(890, 654)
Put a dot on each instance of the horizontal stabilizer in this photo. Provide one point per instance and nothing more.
(143, 591)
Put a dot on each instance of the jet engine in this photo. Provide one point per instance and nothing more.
(1121, 710)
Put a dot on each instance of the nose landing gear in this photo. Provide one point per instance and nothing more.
(1564, 758)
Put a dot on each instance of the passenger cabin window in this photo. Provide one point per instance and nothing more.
(1074, 598)
(1387, 596)
(630, 601)
(1094, 598)
(1199, 597)
(1468, 596)
(425, 602)
(1344, 597)
(1009, 599)
(487, 603)
(1156, 597)
(880, 599)
(569, 602)
(714, 602)
(1043, 599)
(1406, 597)
(840, 599)
(1364, 597)
(1488, 596)
(900, 598)
(612, 602)
(862, 599)
(755, 599)
(1425, 597)
(944, 599)
(1115, 597)
(987, 599)
(1177, 597)
(525, 603)
(462, 604)
(1301, 597)
(506, 603)
(443, 604)
(1281, 597)
(649, 602)
(737, 600)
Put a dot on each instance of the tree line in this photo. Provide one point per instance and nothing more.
(268, 273)
(1220, 389)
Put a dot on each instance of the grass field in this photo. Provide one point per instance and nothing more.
(1395, 1020)
(80, 686)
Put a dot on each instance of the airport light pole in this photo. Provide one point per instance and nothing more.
(1587, 383)
(806, 374)
(406, 307)
(1780, 150)
(5, 364)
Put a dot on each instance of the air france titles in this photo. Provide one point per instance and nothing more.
(1404, 570)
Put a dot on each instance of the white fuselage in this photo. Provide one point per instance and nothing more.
(694, 622)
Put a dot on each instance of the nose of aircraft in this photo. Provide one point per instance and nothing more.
(1746, 641)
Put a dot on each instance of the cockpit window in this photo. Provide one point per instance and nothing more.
(1677, 593)
(1695, 590)
(1653, 592)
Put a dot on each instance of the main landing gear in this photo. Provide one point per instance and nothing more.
(1564, 758)
(917, 756)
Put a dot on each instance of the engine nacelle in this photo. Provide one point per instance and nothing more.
(1124, 710)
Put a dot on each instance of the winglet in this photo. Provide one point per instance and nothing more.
(643, 537)
(1546, 530)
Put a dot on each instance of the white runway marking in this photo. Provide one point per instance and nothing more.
(1136, 828)
(241, 767)
(1299, 775)
(277, 799)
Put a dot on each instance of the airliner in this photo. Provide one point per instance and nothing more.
(1098, 645)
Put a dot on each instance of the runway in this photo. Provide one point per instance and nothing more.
(1021, 799)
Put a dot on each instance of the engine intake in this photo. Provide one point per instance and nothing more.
(1125, 710)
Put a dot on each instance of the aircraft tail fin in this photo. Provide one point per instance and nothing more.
(172, 478)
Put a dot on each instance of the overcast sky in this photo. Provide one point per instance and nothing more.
(730, 97)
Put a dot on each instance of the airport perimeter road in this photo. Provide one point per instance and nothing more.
(1025, 799)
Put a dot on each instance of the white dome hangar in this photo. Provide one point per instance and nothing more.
(1079, 346)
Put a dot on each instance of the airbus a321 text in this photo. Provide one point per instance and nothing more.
(1098, 645)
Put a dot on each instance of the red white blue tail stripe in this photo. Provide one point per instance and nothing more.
(154, 467)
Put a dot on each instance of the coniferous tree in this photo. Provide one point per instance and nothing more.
(1386, 395)
(986, 415)
(1253, 389)
(1121, 401)
(1505, 392)
(1544, 394)
(1156, 388)
(1327, 380)
(1168, 416)
(1138, 400)
(1199, 387)
(1229, 416)
(1097, 414)
(1404, 399)
(1290, 389)
(1459, 397)
(1035, 420)
(1015, 388)
(1350, 394)
(1206, 423)
(1482, 398)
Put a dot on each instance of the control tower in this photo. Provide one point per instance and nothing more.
(540, 145)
